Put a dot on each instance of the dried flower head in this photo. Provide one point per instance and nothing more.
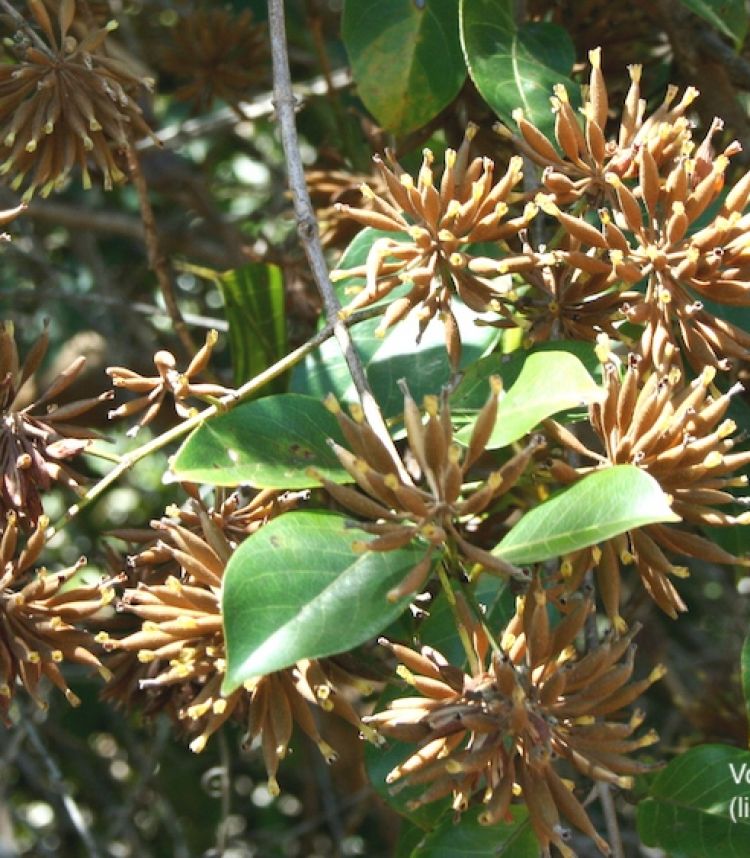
(583, 158)
(397, 509)
(677, 433)
(34, 447)
(181, 651)
(65, 103)
(434, 226)
(529, 703)
(169, 380)
(40, 617)
(222, 55)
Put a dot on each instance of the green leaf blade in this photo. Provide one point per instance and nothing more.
(600, 506)
(269, 443)
(470, 839)
(689, 806)
(254, 302)
(549, 382)
(728, 16)
(406, 59)
(515, 66)
(295, 589)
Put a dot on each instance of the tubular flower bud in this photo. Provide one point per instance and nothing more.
(174, 658)
(431, 223)
(67, 105)
(529, 701)
(40, 617)
(432, 510)
(676, 432)
(37, 439)
(153, 390)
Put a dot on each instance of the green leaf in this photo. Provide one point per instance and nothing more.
(469, 839)
(690, 805)
(745, 674)
(254, 301)
(549, 381)
(295, 589)
(424, 365)
(269, 443)
(515, 66)
(406, 58)
(600, 506)
(728, 16)
(472, 392)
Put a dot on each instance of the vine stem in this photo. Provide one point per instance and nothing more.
(307, 227)
(157, 260)
(222, 405)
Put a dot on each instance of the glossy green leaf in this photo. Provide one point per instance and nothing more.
(548, 382)
(469, 839)
(745, 676)
(295, 589)
(424, 365)
(601, 505)
(254, 302)
(269, 443)
(728, 16)
(471, 393)
(698, 806)
(406, 58)
(515, 66)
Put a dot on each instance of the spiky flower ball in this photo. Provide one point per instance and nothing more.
(36, 440)
(40, 617)
(65, 103)
(181, 653)
(529, 703)
(434, 224)
(678, 434)
(168, 381)
(219, 54)
(433, 507)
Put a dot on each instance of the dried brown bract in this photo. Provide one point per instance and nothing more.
(678, 434)
(64, 105)
(431, 510)
(181, 652)
(154, 389)
(40, 617)
(221, 55)
(34, 446)
(435, 224)
(530, 703)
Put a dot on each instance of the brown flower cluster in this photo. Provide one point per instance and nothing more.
(40, 617)
(220, 54)
(179, 648)
(676, 432)
(434, 224)
(35, 447)
(154, 389)
(65, 103)
(529, 704)
(431, 507)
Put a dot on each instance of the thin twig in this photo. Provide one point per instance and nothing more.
(61, 788)
(604, 791)
(259, 108)
(156, 259)
(25, 27)
(307, 227)
(224, 404)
